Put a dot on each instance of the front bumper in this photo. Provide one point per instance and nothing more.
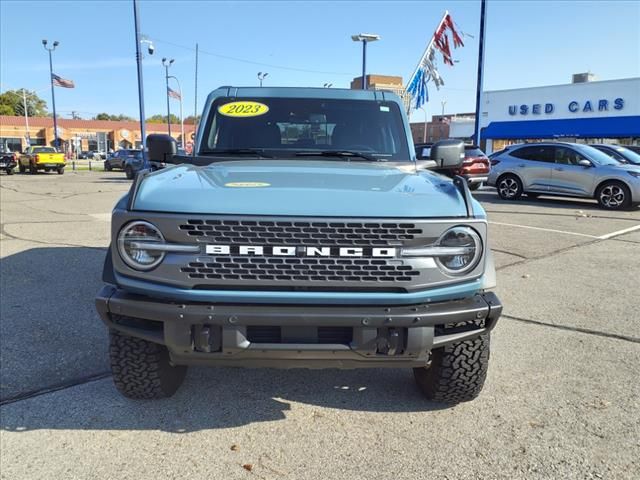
(234, 334)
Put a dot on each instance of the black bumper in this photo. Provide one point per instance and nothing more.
(312, 336)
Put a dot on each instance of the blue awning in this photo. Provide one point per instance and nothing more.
(603, 127)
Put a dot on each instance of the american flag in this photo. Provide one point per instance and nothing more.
(58, 81)
(173, 94)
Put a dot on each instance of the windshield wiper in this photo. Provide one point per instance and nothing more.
(238, 151)
(339, 154)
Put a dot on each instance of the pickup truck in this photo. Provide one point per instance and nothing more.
(41, 158)
(301, 234)
(8, 161)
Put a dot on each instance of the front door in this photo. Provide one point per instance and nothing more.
(533, 165)
(568, 177)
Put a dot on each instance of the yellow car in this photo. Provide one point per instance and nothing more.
(41, 158)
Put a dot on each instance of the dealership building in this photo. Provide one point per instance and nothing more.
(584, 111)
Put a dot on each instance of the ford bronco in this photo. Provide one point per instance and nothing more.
(300, 234)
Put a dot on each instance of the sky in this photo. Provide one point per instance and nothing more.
(528, 43)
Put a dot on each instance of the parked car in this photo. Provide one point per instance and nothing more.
(8, 161)
(633, 148)
(620, 153)
(303, 253)
(475, 167)
(566, 169)
(134, 164)
(118, 158)
(41, 158)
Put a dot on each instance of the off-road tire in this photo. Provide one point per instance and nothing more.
(456, 372)
(141, 369)
(128, 171)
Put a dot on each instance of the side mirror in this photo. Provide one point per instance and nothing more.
(160, 147)
(585, 163)
(448, 154)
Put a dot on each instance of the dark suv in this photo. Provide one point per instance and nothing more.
(118, 159)
(475, 167)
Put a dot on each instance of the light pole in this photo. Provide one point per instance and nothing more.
(26, 117)
(53, 95)
(166, 66)
(443, 103)
(262, 76)
(424, 132)
(364, 38)
(328, 85)
(139, 40)
(181, 118)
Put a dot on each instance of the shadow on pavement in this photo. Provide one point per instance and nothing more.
(220, 398)
(49, 330)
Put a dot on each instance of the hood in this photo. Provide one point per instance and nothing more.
(299, 188)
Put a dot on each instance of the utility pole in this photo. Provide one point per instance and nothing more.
(479, 85)
(166, 64)
(53, 95)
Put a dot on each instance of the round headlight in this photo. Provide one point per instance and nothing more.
(135, 245)
(469, 244)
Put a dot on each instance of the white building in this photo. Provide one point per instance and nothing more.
(589, 112)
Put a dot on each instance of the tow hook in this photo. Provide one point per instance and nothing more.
(390, 341)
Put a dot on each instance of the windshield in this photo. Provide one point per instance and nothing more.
(284, 127)
(596, 155)
(629, 155)
(44, 150)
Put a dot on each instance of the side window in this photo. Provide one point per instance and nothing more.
(534, 153)
(567, 156)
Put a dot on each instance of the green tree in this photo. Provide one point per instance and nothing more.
(11, 103)
(117, 118)
(162, 119)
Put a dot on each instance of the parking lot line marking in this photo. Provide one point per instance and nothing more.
(619, 232)
(545, 229)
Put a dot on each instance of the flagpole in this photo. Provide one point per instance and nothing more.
(53, 94)
(479, 85)
(143, 125)
(26, 117)
(428, 49)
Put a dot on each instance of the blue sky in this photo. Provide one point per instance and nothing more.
(529, 43)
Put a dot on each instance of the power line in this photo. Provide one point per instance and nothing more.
(251, 62)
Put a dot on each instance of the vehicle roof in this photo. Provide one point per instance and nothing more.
(534, 144)
(609, 145)
(304, 92)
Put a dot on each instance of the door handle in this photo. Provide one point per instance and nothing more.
(522, 165)
(559, 169)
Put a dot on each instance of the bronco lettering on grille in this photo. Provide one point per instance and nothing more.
(301, 251)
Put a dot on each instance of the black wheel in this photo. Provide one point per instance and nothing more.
(141, 369)
(32, 169)
(613, 195)
(475, 186)
(128, 171)
(509, 187)
(60, 171)
(9, 171)
(21, 168)
(456, 372)
(107, 167)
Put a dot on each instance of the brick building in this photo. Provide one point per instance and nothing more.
(81, 135)
(384, 82)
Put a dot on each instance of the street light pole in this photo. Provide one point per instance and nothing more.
(26, 117)
(181, 118)
(53, 95)
(143, 125)
(364, 38)
(166, 66)
(443, 103)
(262, 76)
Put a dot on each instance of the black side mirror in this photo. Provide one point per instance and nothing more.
(160, 147)
(448, 154)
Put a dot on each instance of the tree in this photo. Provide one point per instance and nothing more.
(11, 103)
(162, 119)
(191, 120)
(116, 118)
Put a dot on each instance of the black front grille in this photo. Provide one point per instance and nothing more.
(299, 269)
(258, 232)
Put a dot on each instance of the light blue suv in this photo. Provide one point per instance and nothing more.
(566, 169)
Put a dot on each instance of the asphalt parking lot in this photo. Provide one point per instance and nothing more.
(561, 399)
